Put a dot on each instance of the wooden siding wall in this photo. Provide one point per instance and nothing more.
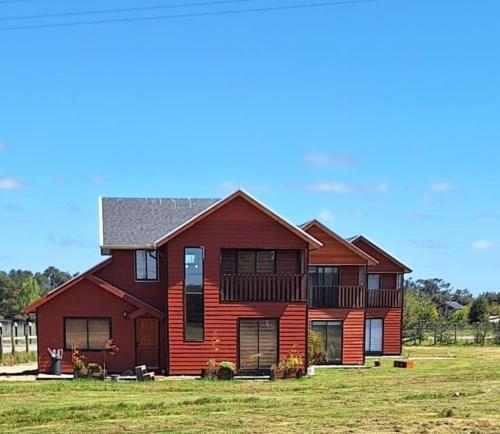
(353, 331)
(349, 275)
(385, 264)
(392, 328)
(388, 281)
(121, 273)
(332, 252)
(236, 225)
(87, 300)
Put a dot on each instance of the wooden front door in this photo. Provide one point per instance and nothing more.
(147, 337)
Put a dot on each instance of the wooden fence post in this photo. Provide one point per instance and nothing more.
(27, 336)
(1, 341)
(12, 338)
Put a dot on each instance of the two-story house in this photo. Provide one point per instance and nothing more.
(188, 280)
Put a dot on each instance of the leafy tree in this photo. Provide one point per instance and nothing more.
(9, 297)
(51, 278)
(29, 292)
(478, 316)
(460, 316)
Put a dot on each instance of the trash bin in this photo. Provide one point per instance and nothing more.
(55, 360)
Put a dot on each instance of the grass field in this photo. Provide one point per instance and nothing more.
(461, 394)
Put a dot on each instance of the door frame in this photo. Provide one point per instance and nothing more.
(238, 361)
(158, 361)
(341, 321)
(375, 353)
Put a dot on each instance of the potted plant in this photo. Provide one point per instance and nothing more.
(78, 359)
(210, 372)
(95, 371)
(226, 371)
(376, 363)
(109, 348)
(290, 367)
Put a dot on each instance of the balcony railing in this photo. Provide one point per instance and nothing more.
(262, 287)
(384, 298)
(337, 296)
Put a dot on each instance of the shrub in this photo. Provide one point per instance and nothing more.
(230, 366)
(291, 361)
(94, 368)
(315, 347)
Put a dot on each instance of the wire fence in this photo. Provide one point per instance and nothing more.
(453, 334)
(17, 336)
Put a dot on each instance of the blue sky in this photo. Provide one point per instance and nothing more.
(379, 118)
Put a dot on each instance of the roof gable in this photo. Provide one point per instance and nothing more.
(313, 242)
(138, 223)
(360, 239)
(315, 224)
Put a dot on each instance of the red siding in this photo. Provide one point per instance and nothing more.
(349, 275)
(385, 264)
(353, 331)
(333, 251)
(392, 328)
(388, 280)
(86, 300)
(121, 273)
(236, 225)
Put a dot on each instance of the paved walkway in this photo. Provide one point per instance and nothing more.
(16, 372)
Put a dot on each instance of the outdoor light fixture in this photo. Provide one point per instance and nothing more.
(125, 314)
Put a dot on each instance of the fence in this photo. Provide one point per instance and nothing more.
(17, 336)
(453, 334)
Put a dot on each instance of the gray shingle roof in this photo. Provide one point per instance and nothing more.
(135, 222)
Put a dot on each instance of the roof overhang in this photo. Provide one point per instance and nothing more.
(369, 259)
(381, 251)
(313, 242)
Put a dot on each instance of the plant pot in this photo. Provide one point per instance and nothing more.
(208, 373)
(225, 374)
(376, 363)
(405, 364)
(286, 373)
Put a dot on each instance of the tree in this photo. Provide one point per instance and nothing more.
(51, 278)
(9, 297)
(419, 313)
(478, 315)
(29, 292)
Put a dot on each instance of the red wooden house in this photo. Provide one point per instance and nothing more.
(190, 280)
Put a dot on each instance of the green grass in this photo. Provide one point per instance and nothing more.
(461, 394)
(14, 359)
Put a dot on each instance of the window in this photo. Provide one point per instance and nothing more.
(256, 262)
(331, 335)
(146, 265)
(373, 335)
(374, 281)
(193, 294)
(258, 343)
(323, 276)
(86, 333)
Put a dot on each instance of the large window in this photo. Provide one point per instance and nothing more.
(323, 276)
(331, 335)
(256, 262)
(86, 333)
(193, 294)
(373, 281)
(146, 265)
(258, 343)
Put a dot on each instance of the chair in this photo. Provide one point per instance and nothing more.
(143, 375)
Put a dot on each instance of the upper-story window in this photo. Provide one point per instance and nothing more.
(373, 281)
(323, 276)
(194, 310)
(146, 265)
(256, 262)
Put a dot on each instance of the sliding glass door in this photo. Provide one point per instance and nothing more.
(331, 334)
(258, 343)
(373, 335)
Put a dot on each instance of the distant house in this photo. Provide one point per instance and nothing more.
(449, 308)
(185, 273)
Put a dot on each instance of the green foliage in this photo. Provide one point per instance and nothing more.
(51, 278)
(419, 311)
(17, 358)
(291, 361)
(9, 300)
(478, 310)
(230, 366)
(315, 347)
(94, 368)
(29, 292)
(460, 316)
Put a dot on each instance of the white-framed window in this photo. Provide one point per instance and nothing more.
(146, 265)
(373, 281)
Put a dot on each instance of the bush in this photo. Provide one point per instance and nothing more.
(315, 347)
(17, 358)
(229, 366)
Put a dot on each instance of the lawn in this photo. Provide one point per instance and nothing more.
(461, 394)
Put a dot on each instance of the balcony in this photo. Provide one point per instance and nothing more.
(262, 287)
(336, 296)
(384, 298)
